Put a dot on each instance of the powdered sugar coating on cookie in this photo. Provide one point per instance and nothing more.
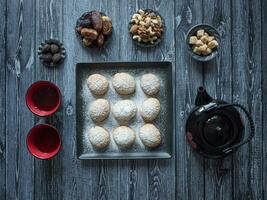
(150, 135)
(150, 84)
(124, 136)
(97, 84)
(123, 83)
(99, 137)
(124, 110)
(99, 110)
(150, 109)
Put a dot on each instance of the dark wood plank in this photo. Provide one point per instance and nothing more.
(3, 30)
(20, 57)
(189, 165)
(246, 54)
(80, 177)
(162, 171)
(264, 95)
(218, 82)
(49, 173)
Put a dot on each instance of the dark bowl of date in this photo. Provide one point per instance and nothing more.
(51, 52)
(93, 29)
(146, 28)
(203, 42)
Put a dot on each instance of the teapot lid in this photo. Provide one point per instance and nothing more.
(217, 130)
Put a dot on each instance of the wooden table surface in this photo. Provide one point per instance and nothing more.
(238, 74)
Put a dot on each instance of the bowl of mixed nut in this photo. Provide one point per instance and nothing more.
(146, 28)
(203, 42)
(93, 28)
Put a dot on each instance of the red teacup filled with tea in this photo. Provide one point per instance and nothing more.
(43, 141)
(43, 98)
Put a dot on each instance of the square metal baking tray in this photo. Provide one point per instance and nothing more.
(165, 121)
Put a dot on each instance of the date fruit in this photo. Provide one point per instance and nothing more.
(92, 28)
(107, 27)
(89, 33)
(85, 23)
(100, 40)
(87, 42)
(97, 21)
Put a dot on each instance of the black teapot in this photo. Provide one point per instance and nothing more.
(215, 128)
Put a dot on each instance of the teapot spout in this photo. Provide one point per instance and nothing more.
(202, 97)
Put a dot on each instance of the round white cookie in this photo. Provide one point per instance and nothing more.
(150, 109)
(124, 110)
(99, 110)
(123, 83)
(150, 84)
(124, 136)
(150, 135)
(97, 84)
(99, 137)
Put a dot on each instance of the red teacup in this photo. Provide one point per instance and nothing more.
(43, 141)
(43, 98)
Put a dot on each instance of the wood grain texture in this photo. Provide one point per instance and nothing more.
(161, 171)
(48, 25)
(238, 74)
(19, 60)
(189, 165)
(3, 101)
(247, 176)
(264, 96)
(78, 177)
(218, 82)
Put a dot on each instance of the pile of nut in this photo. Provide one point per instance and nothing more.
(51, 53)
(146, 26)
(203, 43)
(93, 28)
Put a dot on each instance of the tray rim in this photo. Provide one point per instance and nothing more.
(172, 148)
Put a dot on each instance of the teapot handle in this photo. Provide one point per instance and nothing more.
(251, 124)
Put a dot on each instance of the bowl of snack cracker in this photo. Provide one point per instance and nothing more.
(203, 42)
